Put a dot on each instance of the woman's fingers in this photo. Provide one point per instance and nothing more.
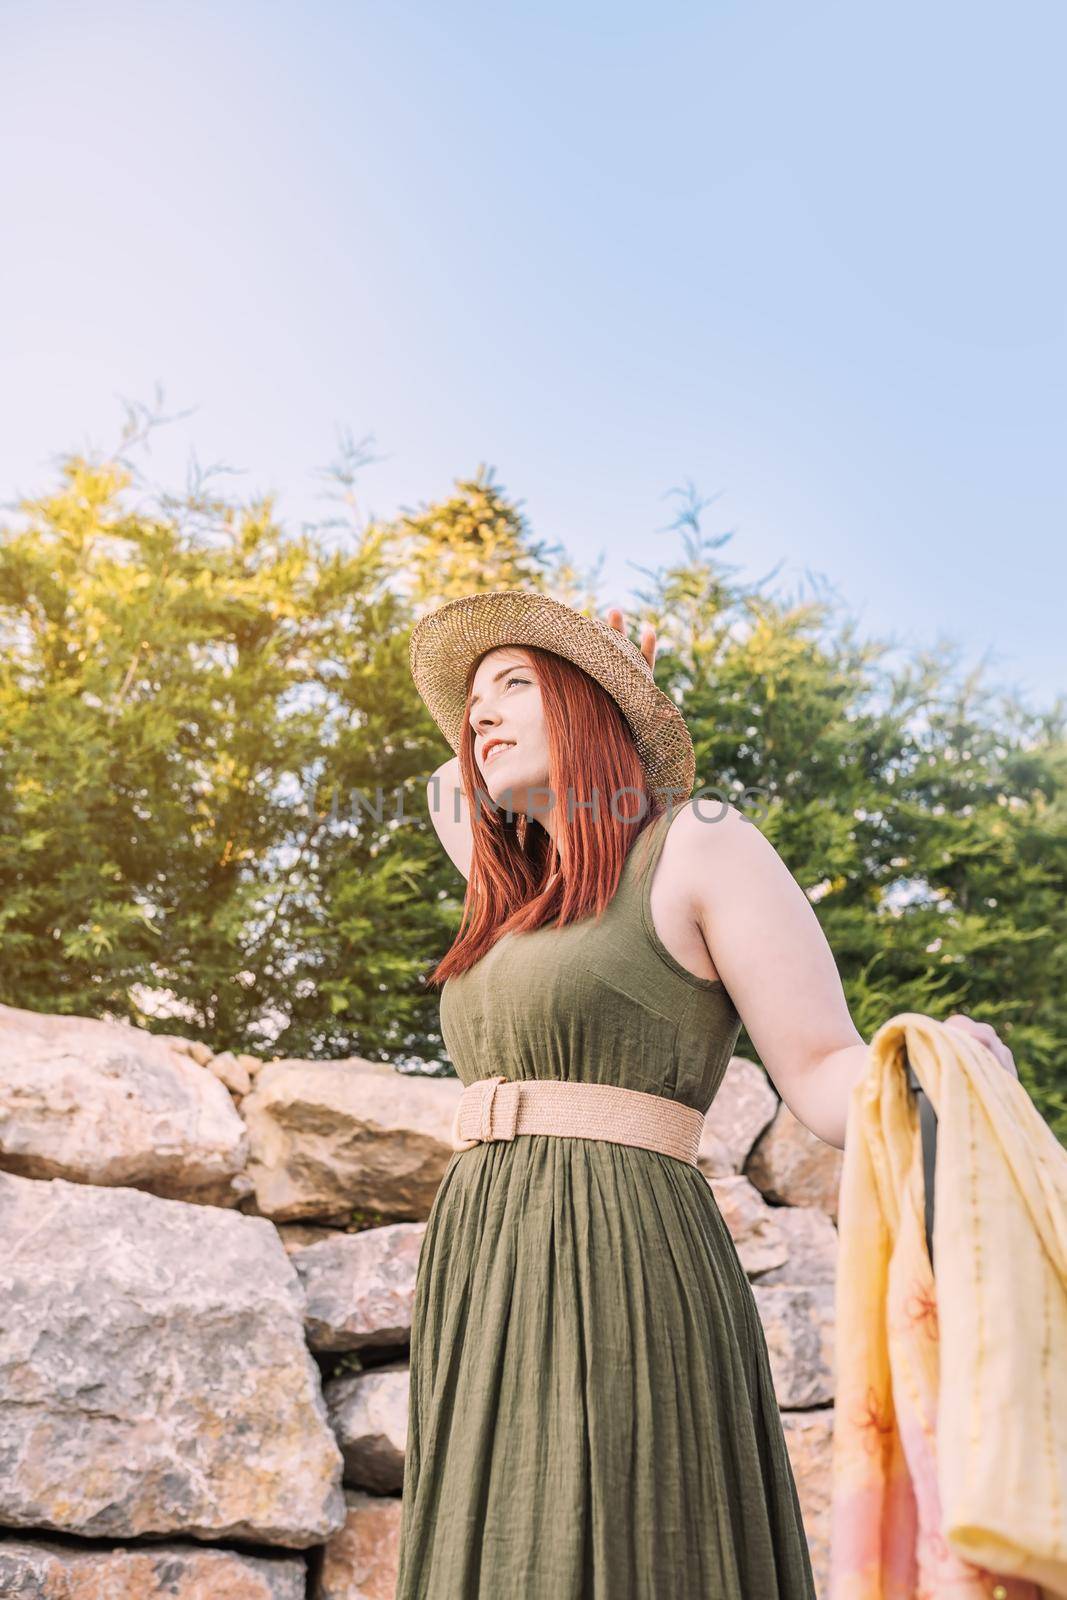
(986, 1034)
(648, 633)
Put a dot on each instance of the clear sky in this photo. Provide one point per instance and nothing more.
(810, 258)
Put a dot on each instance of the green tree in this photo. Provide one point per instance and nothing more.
(211, 748)
(475, 539)
(213, 766)
(924, 815)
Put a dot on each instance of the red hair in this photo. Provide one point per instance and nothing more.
(591, 757)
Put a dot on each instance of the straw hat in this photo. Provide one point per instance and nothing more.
(445, 644)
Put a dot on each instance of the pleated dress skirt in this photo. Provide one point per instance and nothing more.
(592, 1414)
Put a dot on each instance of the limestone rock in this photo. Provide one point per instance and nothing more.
(793, 1166)
(743, 1106)
(810, 1240)
(102, 1103)
(97, 1030)
(295, 1235)
(200, 1052)
(330, 1137)
(809, 1437)
(752, 1223)
(39, 1570)
(360, 1287)
(369, 1415)
(360, 1562)
(228, 1069)
(799, 1325)
(153, 1373)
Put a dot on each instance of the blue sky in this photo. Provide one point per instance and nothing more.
(809, 258)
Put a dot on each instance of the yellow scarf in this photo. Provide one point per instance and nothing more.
(949, 1468)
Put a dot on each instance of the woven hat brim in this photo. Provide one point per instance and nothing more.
(446, 642)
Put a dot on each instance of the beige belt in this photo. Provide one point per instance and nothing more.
(495, 1108)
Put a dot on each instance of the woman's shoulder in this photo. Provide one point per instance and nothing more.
(701, 817)
(695, 836)
(696, 824)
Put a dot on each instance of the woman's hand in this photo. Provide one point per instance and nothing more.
(648, 634)
(987, 1035)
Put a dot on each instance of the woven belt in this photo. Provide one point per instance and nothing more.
(495, 1108)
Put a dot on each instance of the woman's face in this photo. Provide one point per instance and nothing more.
(506, 705)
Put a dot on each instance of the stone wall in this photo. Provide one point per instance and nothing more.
(207, 1268)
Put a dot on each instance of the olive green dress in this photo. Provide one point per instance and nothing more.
(592, 1414)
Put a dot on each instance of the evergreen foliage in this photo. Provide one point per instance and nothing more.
(213, 766)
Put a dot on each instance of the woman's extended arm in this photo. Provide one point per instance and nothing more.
(772, 955)
(450, 813)
(770, 950)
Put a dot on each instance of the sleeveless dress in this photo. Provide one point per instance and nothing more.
(591, 1409)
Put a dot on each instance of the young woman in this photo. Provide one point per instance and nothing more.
(592, 1413)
